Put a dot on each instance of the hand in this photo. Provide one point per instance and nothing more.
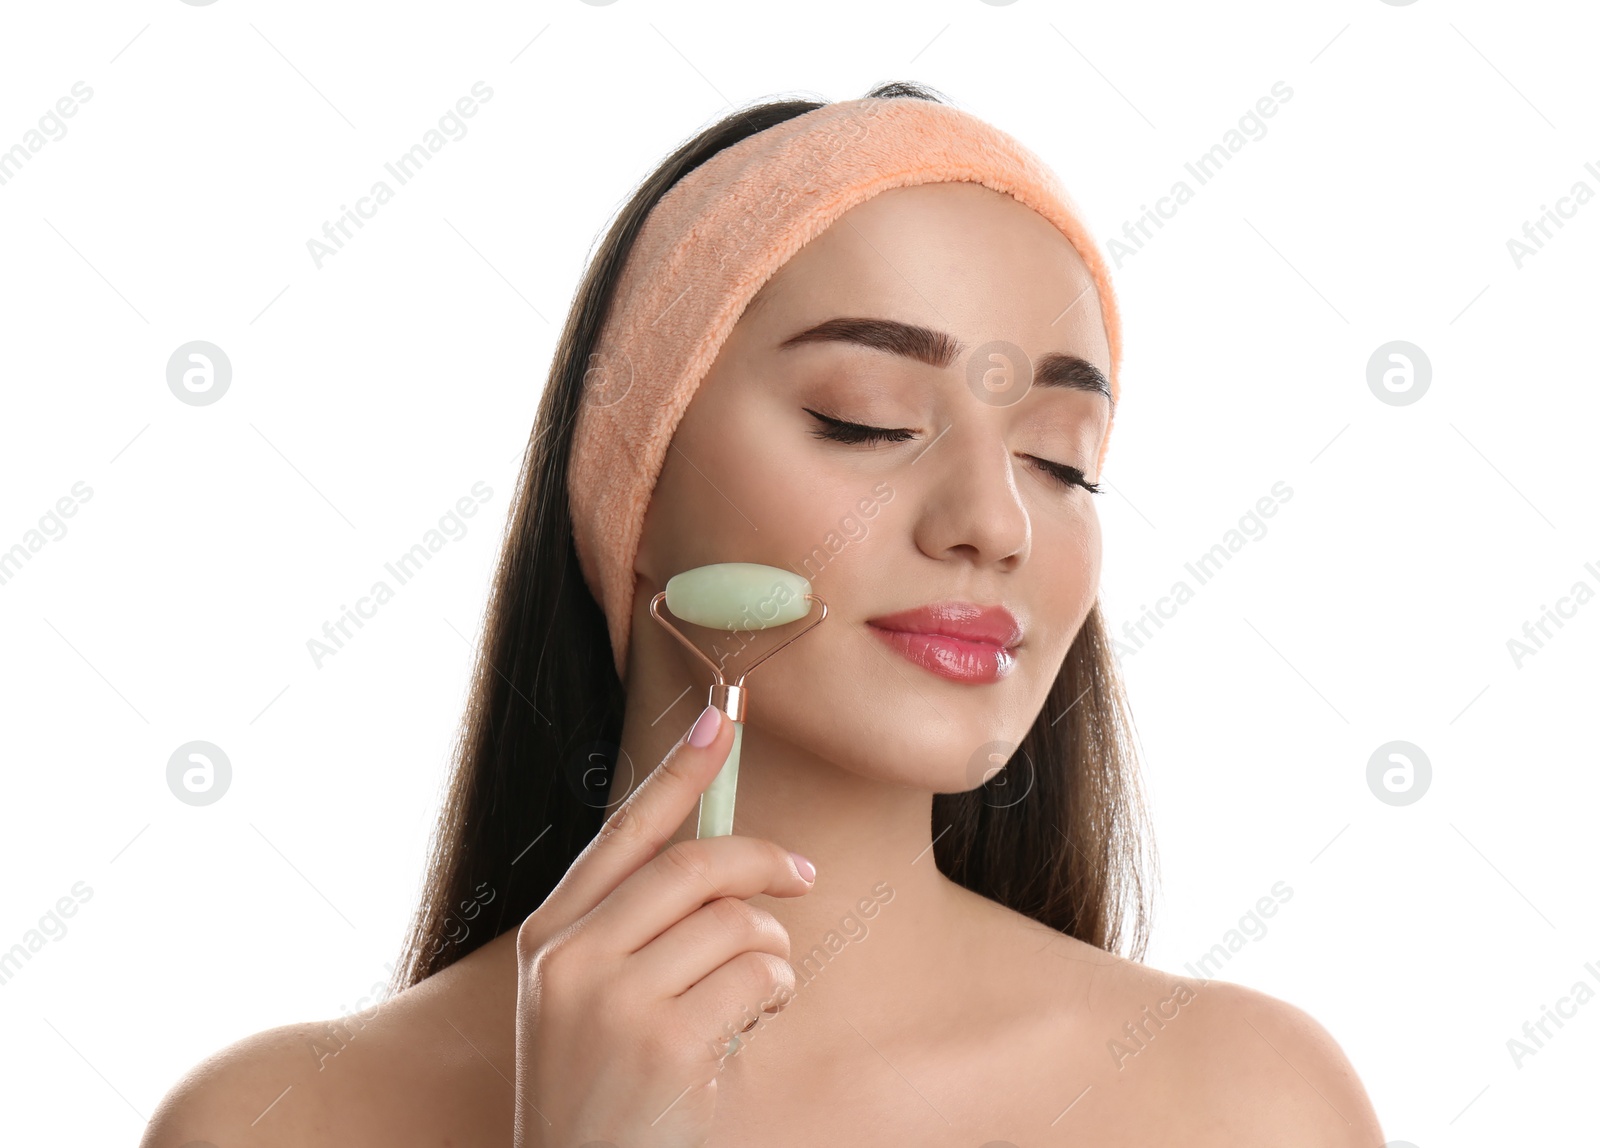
(640, 965)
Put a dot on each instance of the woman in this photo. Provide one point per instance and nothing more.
(902, 389)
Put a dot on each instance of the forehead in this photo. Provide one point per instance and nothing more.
(958, 257)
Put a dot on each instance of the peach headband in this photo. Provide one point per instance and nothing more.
(707, 247)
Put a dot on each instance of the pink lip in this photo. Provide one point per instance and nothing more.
(957, 640)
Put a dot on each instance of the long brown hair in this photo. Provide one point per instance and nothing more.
(544, 715)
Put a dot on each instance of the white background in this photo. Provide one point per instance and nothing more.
(370, 394)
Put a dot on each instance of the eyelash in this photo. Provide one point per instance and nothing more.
(838, 430)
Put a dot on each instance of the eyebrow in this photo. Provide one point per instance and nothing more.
(938, 349)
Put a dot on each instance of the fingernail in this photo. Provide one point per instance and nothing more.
(808, 871)
(705, 727)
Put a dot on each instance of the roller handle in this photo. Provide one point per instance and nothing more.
(716, 803)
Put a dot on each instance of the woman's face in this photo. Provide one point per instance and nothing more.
(956, 506)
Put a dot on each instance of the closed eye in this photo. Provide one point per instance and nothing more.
(838, 430)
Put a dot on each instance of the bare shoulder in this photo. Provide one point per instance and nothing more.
(421, 1067)
(1143, 1055)
(236, 1096)
(1263, 1056)
(1218, 1061)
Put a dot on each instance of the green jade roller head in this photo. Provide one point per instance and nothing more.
(733, 596)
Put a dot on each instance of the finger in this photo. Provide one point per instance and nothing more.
(746, 986)
(683, 877)
(703, 941)
(637, 829)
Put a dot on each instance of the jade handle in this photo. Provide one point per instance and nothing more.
(716, 803)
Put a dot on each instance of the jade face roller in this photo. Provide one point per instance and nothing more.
(733, 596)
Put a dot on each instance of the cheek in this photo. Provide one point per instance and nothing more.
(736, 486)
(768, 492)
(1067, 555)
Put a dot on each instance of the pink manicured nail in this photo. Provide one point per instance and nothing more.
(706, 727)
(806, 868)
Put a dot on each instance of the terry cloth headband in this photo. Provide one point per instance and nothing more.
(711, 242)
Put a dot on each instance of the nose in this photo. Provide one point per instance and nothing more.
(970, 503)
